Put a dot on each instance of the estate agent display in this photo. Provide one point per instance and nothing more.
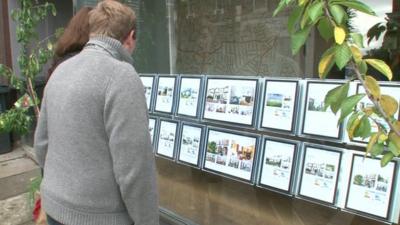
(148, 83)
(216, 127)
(230, 100)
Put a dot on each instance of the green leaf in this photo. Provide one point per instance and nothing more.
(372, 141)
(364, 129)
(357, 5)
(294, 17)
(338, 13)
(386, 158)
(389, 105)
(282, 4)
(351, 119)
(377, 149)
(342, 55)
(335, 97)
(348, 105)
(315, 11)
(299, 39)
(358, 39)
(381, 66)
(363, 67)
(326, 62)
(325, 29)
(393, 149)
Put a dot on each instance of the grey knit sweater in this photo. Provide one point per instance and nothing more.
(93, 142)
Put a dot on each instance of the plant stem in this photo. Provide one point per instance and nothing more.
(33, 96)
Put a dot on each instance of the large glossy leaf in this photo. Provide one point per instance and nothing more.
(338, 13)
(315, 11)
(326, 62)
(364, 129)
(357, 5)
(299, 39)
(373, 87)
(389, 104)
(294, 17)
(325, 28)
(335, 97)
(342, 55)
(381, 66)
(340, 35)
(386, 158)
(348, 105)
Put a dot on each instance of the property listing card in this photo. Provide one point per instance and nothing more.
(277, 164)
(230, 100)
(166, 139)
(279, 105)
(230, 154)
(148, 88)
(370, 186)
(320, 174)
(189, 96)
(190, 144)
(152, 126)
(165, 94)
(316, 120)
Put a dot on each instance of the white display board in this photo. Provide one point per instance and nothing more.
(230, 153)
(279, 108)
(319, 177)
(231, 100)
(167, 138)
(277, 164)
(370, 186)
(165, 94)
(190, 144)
(148, 84)
(189, 96)
(152, 127)
(316, 121)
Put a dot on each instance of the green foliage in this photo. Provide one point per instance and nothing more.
(33, 188)
(331, 18)
(32, 57)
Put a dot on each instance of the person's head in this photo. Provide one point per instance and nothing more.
(115, 20)
(75, 35)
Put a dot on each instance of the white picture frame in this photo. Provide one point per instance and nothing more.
(320, 174)
(166, 143)
(148, 84)
(277, 165)
(191, 144)
(189, 96)
(231, 153)
(314, 115)
(279, 107)
(165, 95)
(231, 100)
(370, 187)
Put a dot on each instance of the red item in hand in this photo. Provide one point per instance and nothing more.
(36, 210)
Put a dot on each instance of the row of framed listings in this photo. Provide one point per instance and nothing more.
(289, 106)
(330, 176)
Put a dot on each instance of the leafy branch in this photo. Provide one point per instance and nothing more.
(331, 18)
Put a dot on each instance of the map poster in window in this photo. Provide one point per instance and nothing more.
(190, 144)
(165, 94)
(391, 90)
(277, 164)
(231, 100)
(370, 186)
(317, 121)
(280, 99)
(189, 96)
(320, 174)
(167, 138)
(230, 153)
(148, 84)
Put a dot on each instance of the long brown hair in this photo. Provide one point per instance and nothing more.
(75, 35)
(73, 39)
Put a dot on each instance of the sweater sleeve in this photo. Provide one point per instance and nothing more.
(41, 135)
(126, 123)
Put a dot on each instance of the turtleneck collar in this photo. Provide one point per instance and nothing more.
(111, 46)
